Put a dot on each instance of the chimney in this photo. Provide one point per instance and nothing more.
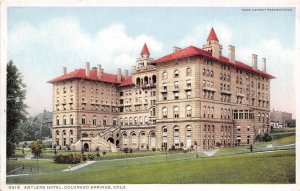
(64, 70)
(119, 75)
(126, 74)
(254, 61)
(264, 66)
(175, 48)
(231, 54)
(87, 71)
(99, 71)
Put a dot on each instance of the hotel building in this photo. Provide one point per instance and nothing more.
(193, 97)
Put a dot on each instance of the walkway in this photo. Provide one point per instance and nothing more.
(79, 166)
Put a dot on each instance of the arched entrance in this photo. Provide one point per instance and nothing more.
(111, 140)
(117, 143)
(86, 147)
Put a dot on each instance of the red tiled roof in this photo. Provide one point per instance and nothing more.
(127, 82)
(145, 50)
(194, 51)
(80, 74)
(212, 35)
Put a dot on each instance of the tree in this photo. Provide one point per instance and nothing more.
(37, 149)
(15, 106)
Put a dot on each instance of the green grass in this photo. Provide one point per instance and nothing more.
(43, 166)
(286, 140)
(273, 167)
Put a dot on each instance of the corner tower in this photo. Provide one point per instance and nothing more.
(143, 61)
(213, 45)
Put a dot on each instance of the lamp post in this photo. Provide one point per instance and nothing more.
(81, 144)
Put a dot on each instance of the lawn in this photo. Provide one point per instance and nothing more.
(32, 167)
(271, 167)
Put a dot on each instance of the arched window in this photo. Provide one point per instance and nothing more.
(71, 132)
(124, 138)
(135, 120)
(146, 80)
(141, 120)
(104, 120)
(114, 121)
(64, 132)
(203, 71)
(146, 120)
(57, 132)
(165, 112)
(64, 120)
(57, 120)
(83, 119)
(130, 121)
(165, 129)
(176, 73)
(94, 120)
(188, 111)
(258, 117)
(153, 79)
(176, 135)
(133, 138)
(126, 121)
(71, 89)
(188, 71)
(188, 135)
(176, 112)
(121, 121)
(165, 75)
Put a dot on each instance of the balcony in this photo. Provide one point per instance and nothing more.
(240, 95)
(209, 88)
(226, 92)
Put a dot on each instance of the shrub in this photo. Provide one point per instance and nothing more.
(218, 144)
(173, 147)
(153, 149)
(130, 150)
(84, 158)
(98, 155)
(91, 156)
(266, 137)
(126, 150)
(67, 159)
(104, 152)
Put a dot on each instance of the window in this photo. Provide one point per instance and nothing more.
(203, 71)
(188, 94)
(141, 120)
(57, 91)
(164, 96)
(165, 112)
(64, 90)
(146, 120)
(188, 83)
(135, 120)
(176, 74)
(104, 120)
(83, 119)
(130, 120)
(64, 120)
(57, 121)
(165, 75)
(71, 89)
(176, 95)
(121, 121)
(188, 111)
(94, 120)
(176, 85)
(71, 120)
(176, 112)
(188, 71)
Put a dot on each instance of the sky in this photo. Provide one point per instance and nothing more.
(42, 40)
